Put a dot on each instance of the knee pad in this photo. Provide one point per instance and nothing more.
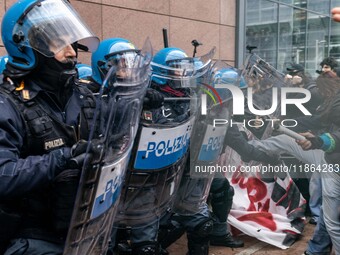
(204, 229)
(169, 234)
(218, 185)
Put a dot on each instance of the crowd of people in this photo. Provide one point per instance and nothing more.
(100, 161)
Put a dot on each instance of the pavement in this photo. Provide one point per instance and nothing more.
(252, 246)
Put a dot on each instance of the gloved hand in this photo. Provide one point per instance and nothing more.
(153, 99)
(79, 155)
(316, 142)
(311, 142)
(272, 159)
(261, 156)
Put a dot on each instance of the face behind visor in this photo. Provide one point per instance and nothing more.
(172, 66)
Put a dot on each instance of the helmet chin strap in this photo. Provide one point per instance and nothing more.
(13, 72)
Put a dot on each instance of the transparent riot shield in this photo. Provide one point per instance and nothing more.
(263, 93)
(161, 148)
(118, 109)
(206, 144)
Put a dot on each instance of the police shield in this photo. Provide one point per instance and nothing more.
(118, 109)
(206, 143)
(163, 139)
(264, 86)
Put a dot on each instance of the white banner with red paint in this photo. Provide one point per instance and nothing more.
(266, 206)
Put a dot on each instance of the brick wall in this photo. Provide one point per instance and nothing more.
(210, 22)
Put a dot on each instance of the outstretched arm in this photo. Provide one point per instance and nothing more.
(248, 152)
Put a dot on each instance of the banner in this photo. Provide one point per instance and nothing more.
(266, 205)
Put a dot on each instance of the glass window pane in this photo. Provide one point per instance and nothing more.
(320, 6)
(261, 30)
(317, 42)
(299, 31)
(285, 44)
(335, 3)
(334, 44)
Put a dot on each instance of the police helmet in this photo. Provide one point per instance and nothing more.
(117, 52)
(170, 63)
(84, 71)
(45, 26)
(172, 66)
(227, 75)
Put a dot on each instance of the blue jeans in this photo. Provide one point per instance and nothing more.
(330, 180)
(189, 222)
(315, 191)
(147, 233)
(331, 206)
(320, 244)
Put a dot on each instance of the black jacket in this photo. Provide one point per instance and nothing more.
(333, 117)
(238, 142)
(35, 140)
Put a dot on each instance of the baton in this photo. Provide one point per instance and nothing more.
(288, 132)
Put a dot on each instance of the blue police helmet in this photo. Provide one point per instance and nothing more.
(3, 61)
(108, 53)
(84, 71)
(230, 76)
(35, 25)
(166, 57)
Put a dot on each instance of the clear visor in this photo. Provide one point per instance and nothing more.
(124, 63)
(185, 71)
(256, 69)
(183, 67)
(262, 78)
(51, 25)
(128, 68)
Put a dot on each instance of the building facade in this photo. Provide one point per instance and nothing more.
(212, 23)
(283, 31)
(289, 31)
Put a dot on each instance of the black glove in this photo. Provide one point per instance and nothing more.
(272, 159)
(316, 141)
(79, 155)
(153, 99)
(261, 156)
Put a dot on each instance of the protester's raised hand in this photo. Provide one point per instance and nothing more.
(336, 14)
(311, 142)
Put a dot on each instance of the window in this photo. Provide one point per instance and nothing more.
(286, 31)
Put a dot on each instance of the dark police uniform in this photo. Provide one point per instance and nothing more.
(37, 189)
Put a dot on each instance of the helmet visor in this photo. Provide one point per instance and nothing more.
(182, 67)
(131, 67)
(125, 64)
(51, 25)
(184, 71)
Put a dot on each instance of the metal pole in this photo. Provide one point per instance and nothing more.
(165, 38)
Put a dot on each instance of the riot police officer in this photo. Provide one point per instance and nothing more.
(44, 117)
(120, 76)
(161, 152)
(191, 212)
